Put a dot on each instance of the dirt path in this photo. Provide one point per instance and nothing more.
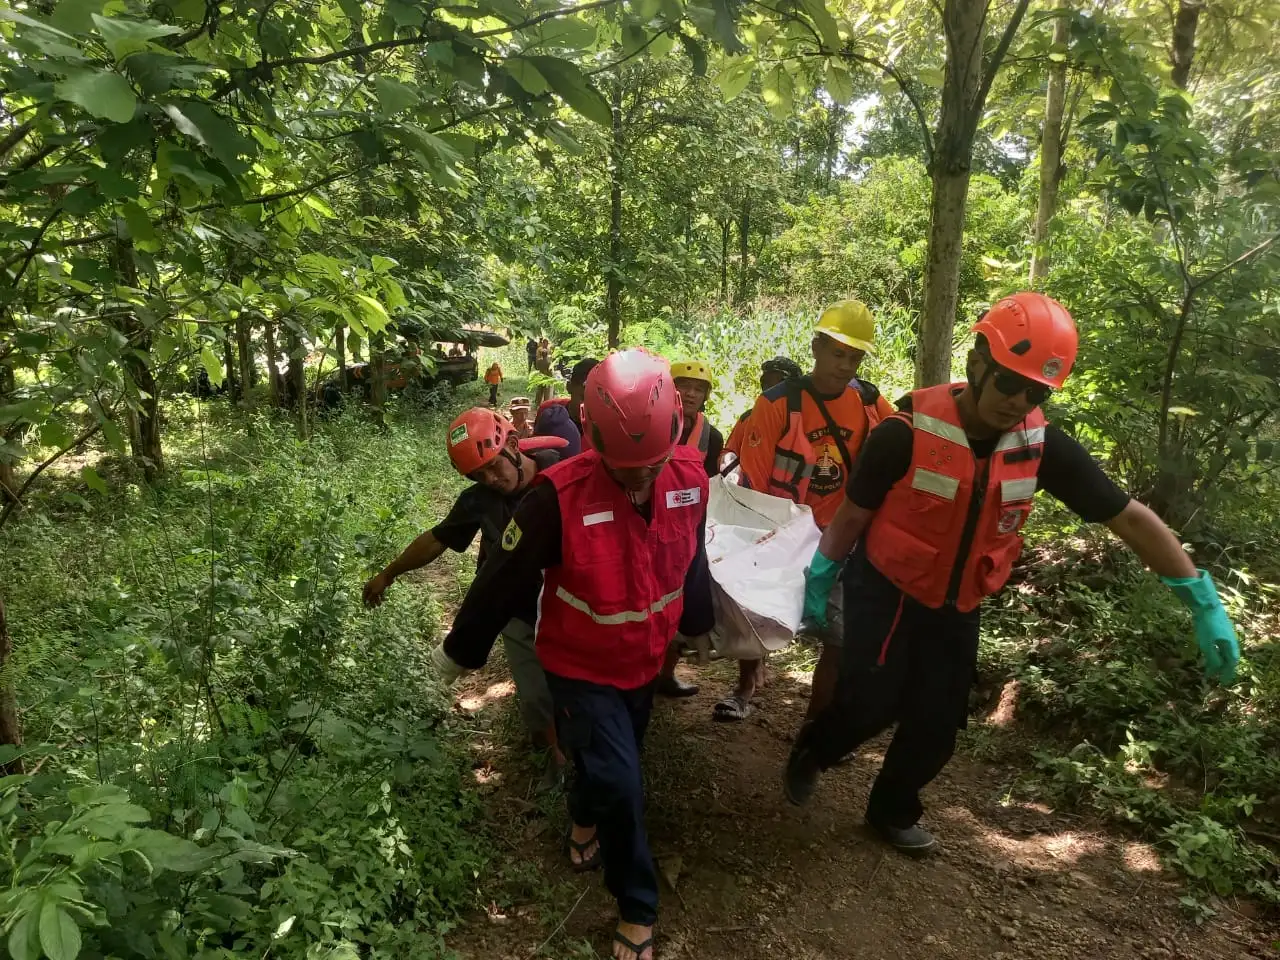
(756, 878)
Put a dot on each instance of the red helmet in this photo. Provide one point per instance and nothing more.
(1032, 335)
(476, 437)
(631, 412)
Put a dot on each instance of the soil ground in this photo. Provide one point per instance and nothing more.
(747, 876)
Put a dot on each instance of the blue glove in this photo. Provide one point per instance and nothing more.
(819, 578)
(1214, 632)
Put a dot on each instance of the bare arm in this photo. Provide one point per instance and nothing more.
(424, 549)
(844, 530)
(1149, 537)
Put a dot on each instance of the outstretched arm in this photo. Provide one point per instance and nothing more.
(1153, 542)
(424, 549)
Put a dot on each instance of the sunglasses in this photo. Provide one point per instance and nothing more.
(1011, 384)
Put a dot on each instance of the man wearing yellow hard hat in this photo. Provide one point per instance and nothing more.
(693, 382)
(800, 442)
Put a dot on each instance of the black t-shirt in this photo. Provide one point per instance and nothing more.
(1067, 472)
(512, 580)
(481, 510)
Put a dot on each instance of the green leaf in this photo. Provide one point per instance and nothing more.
(573, 87)
(735, 76)
(59, 935)
(24, 938)
(7, 14)
(375, 314)
(139, 224)
(95, 482)
(124, 37)
(382, 264)
(394, 96)
(168, 852)
(111, 433)
(779, 93)
(527, 75)
(76, 15)
(839, 82)
(826, 24)
(212, 365)
(100, 93)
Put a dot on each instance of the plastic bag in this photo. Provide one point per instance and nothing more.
(758, 547)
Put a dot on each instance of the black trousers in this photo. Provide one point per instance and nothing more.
(603, 729)
(902, 663)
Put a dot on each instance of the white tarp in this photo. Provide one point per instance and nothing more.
(758, 547)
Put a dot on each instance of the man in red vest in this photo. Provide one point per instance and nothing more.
(935, 506)
(617, 533)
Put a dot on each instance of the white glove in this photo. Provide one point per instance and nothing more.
(444, 665)
(702, 643)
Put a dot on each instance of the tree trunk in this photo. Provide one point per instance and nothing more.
(354, 343)
(244, 349)
(340, 347)
(1051, 146)
(613, 296)
(229, 363)
(297, 378)
(835, 121)
(8, 475)
(275, 387)
(1184, 40)
(10, 724)
(744, 247)
(964, 94)
(726, 233)
(378, 380)
(144, 435)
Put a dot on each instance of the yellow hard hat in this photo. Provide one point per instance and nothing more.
(692, 370)
(850, 322)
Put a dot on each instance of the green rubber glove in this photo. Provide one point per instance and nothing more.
(1214, 632)
(819, 578)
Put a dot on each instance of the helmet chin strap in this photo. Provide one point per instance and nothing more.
(518, 462)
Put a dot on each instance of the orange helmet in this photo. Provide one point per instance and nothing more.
(476, 437)
(1032, 335)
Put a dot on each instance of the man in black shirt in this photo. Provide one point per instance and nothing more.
(935, 504)
(484, 447)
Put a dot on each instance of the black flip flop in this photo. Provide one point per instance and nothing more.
(637, 948)
(585, 864)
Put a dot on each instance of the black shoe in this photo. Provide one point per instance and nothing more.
(673, 686)
(800, 778)
(914, 841)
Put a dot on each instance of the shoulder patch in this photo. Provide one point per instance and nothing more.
(511, 536)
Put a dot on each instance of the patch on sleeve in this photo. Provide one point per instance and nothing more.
(511, 536)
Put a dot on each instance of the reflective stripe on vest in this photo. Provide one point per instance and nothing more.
(626, 616)
(948, 531)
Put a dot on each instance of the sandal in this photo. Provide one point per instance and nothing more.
(637, 948)
(732, 709)
(583, 864)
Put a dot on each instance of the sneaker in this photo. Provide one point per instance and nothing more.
(800, 778)
(914, 841)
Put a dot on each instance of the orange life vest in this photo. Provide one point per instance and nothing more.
(794, 459)
(948, 531)
(700, 435)
(608, 611)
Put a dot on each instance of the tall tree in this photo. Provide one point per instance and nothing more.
(1051, 144)
(967, 81)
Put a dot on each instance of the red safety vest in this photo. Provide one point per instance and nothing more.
(700, 435)
(948, 531)
(608, 611)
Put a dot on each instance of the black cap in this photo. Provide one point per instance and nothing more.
(783, 365)
(580, 370)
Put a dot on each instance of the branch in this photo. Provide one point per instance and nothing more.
(15, 136)
(991, 66)
(1247, 255)
(891, 72)
(12, 505)
(35, 244)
